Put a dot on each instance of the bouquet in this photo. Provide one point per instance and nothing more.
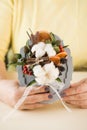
(44, 60)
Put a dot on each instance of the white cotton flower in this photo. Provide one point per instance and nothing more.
(38, 71)
(40, 53)
(46, 74)
(41, 80)
(39, 49)
(37, 46)
(50, 50)
(51, 71)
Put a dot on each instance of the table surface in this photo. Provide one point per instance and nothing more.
(53, 117)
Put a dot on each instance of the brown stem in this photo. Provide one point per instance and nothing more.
(33, 60)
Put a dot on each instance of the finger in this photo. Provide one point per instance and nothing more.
(38, 98)
(78, 103)
(83, 107)
(31, 107)
(41, 89)
(79, 97)
(78, 83)
(35, 90)
(75, 90)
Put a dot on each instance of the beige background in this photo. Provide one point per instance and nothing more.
(66, 18)
(53, 117)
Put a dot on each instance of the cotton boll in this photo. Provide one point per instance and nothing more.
(39, 49)
(46, 74)
(39, 53)
(50, 50)
(38, 46)
(55, 73)
(34, 48)
(41, 45)
(38, 71)
(49, 78)
(54, 70)
(41, 80)
(49, 67)
(51, 71)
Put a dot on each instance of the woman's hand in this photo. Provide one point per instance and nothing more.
(11, 92)
(76, 94)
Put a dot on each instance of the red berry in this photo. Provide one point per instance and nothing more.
(25, 67)
(26, 71)
(61, 48)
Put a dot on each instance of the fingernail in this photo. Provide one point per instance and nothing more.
(63, 94)
(50, 96)
(47, 89)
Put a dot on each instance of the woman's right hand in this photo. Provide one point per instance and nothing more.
(11, 92)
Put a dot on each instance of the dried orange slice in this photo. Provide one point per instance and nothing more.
(55, 59)
(61, 54)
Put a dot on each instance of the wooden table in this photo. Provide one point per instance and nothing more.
(53, 117)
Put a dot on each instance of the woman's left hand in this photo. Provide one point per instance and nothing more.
(76, 94)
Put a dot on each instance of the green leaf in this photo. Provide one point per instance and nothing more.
(28, 43)
(65, 46)
(31, 67)
(26, 49)
(15, 64)
(32, 82)
(56, 48)
(20, 63)
(17, 56)
(57, 42)
(29, 54)
(59, 80)
(48, 41)
(52, 37)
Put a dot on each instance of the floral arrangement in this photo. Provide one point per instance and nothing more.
(44, 58)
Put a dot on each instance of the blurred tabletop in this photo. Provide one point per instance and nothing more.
(53, 117)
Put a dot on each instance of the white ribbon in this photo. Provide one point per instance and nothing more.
(25, 94)
(59, 97)
(19, 103)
